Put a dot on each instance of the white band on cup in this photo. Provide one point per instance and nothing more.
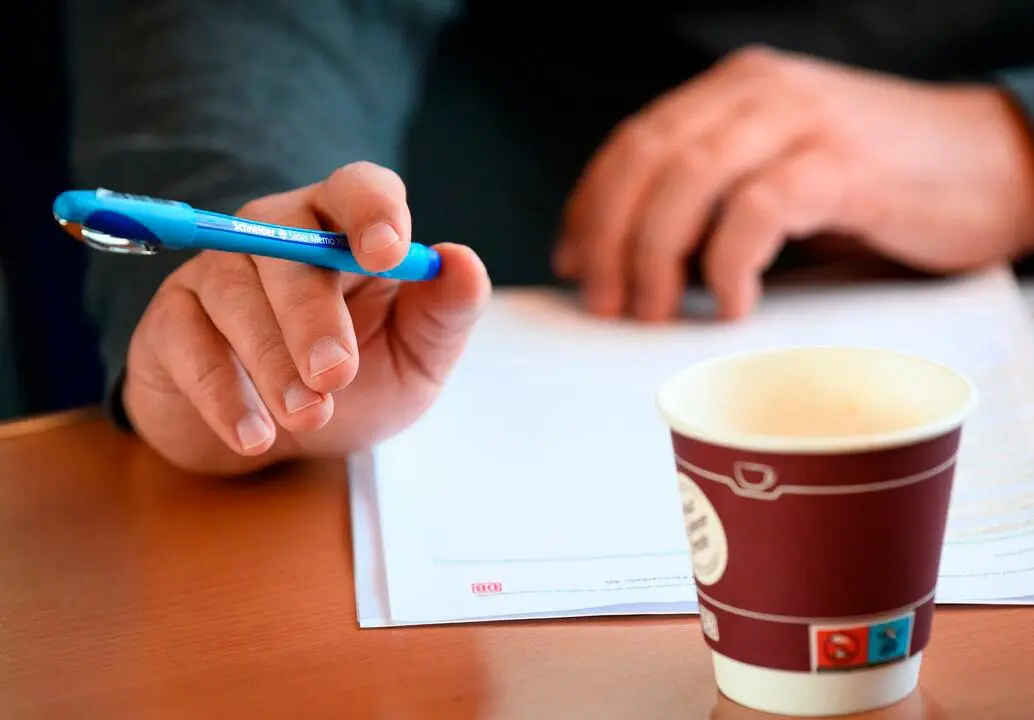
(773, 491)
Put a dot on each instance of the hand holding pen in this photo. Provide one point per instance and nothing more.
(243, 359)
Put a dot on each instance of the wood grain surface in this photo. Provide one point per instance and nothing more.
(129, 590)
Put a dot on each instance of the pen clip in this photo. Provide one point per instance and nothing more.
(104, 241)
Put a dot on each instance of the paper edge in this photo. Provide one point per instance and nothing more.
(368, 561)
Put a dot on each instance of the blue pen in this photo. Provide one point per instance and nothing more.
(139, 225)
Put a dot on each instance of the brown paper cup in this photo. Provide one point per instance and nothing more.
(815, 485)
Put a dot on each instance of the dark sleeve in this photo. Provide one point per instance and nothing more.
(1019, 84)
(217, 102)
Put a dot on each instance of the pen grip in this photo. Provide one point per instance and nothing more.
(312, 247)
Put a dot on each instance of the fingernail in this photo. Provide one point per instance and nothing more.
(326, 354)
(298, 397)
(253, 431)
(377, 237)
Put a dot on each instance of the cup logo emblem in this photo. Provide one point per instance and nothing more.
(709, 624)
(754, 476)
(708, 545)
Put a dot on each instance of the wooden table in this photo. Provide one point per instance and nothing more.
(129, 590)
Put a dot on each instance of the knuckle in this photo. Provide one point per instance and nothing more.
(314, 295)
(314, 314)
(360, 168)
(636, 137)
(283, 207)
(761, 200)
(311, 315)
(172, 307)
(700, 159)
(802, 181)
(752, 57)
(175, 313)
(252, 208)
(231, 280)
(436, 331)
(724, 151)
(366, 174)
(211, 378)
(633, 141)
(269, 353)
(761, 61)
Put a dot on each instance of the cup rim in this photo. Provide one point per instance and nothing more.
(837, 444)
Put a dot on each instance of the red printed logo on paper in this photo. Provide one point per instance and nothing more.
(490, 588)
(842, 648)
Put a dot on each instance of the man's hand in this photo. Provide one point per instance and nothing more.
(242, 361)
(768, 147)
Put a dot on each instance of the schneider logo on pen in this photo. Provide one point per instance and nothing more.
(489, 588)
(280, 233)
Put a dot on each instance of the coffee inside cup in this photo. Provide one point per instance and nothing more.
(806, 398)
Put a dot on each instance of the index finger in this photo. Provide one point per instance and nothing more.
(367, 202)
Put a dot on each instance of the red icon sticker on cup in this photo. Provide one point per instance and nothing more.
(842, 648)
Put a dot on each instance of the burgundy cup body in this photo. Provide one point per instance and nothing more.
(816, 562)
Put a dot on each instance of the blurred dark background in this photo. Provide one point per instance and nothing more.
(48, 354)
(47, 350)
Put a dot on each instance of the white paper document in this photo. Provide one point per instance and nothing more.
(542, 484)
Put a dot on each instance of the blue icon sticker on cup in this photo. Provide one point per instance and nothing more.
(890, 640)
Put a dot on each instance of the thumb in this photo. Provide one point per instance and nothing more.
(433, 319)
(368, 203)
